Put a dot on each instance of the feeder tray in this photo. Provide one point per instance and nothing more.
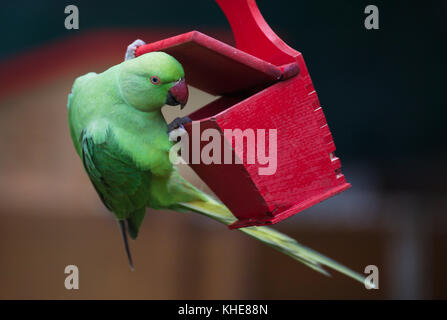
(263, 84)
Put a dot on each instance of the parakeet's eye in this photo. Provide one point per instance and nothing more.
(155, 80)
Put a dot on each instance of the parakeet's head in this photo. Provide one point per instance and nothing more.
(152, 80)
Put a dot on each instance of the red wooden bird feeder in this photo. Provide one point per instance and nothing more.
(262, 84)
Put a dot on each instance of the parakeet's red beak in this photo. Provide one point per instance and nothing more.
(178, 94)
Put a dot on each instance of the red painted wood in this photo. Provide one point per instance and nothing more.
(230, 182)
(264, 85)
(213, 66)
(253, 35)
(306, 172)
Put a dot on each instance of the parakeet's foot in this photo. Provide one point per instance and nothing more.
(130, 52)
(176, 129)
(178, 123)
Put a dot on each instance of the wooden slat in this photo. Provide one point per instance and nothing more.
(213, 66)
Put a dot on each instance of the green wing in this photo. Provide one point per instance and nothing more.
(122, 187)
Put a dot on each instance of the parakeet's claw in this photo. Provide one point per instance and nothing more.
(130, 52)
(178, 123)
(176, 129)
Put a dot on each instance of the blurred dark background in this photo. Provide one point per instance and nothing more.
(382, 94)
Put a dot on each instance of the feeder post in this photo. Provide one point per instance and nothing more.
(253, 35)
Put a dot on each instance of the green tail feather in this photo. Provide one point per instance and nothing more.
(273, 238)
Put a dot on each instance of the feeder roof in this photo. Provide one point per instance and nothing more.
(213, 66)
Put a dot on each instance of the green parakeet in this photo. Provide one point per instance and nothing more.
(120, 134)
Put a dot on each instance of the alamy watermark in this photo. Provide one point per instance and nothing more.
(72, 20)
(372, 20)
(72, 280)
(212, 146)
(372, 280)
